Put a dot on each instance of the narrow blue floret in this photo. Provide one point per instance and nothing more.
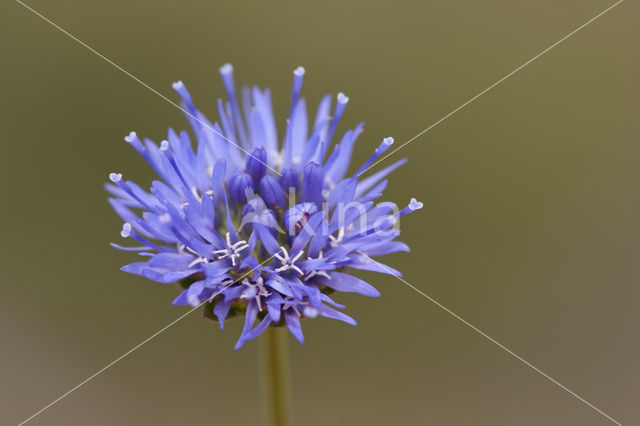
(252, 227)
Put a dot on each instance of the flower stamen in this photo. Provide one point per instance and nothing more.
(288, 262)
(318, 272)
(232, 251)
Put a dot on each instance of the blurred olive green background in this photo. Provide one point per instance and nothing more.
(530, 227)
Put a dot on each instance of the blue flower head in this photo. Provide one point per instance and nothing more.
(251, 227)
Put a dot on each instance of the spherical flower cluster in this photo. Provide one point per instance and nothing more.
(251, 228)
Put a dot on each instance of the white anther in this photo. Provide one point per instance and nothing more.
(177, 85)
(232, 251)
(130, 137)
(299, 71)
(415, 204)
(115, 177)
(288, 262)
(126, 230)
(240, 245)
(258, 289)
(342, 98)
(226, 69)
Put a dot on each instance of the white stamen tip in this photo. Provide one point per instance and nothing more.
(226, 69)
(164, 145)
(115, 177)
(126, 230)
(415, 204)
(130, 137)
(388, 141)
(299, 71)
(342, 98)
(177, 85)
(310, 312)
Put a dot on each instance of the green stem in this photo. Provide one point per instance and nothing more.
(276, 381)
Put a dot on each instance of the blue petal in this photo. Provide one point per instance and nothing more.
(341, 104)
(289, 179)
(135, 268)
(274, 306)
(293, 323)
(318, 241)
(367, 264)
(328, 312)
(215, 269)
(123, 248)
(221, 310)
(278, 285)
(249, 319)
(338, 169)
(375, 192)
(268, 240)
(311, 149)
(262, 101)
(173, 261)
(257, 130)
(367, 183)
(343, 192)
(385, 248)
(348, 283)
(226, 72)
(323, 117)
(218, 174)
(184, 94)
(312, 184)
(164, 276)
(260, 328)
(298, 75)
(256, 165)
(238, 185)
(302, 239)
(299, 131)
(165, 193)
(272, 192)
(314, 294)
(182, 298)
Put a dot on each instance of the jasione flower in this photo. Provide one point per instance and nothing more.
(253, 227)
